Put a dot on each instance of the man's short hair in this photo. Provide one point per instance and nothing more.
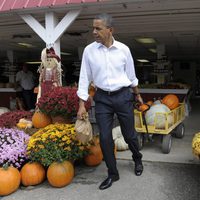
(106, 18)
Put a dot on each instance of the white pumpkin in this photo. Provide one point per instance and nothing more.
(119, 139)
(120, 144)
(3, 110)
(159, 118)
(156, 102)
(116, 132)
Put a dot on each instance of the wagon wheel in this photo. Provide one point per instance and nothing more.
(179, 131)
(166, 143)
(140, 137)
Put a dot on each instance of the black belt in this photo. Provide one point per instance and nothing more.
(112, 92)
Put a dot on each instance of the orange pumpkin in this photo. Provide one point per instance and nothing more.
(171, 101)
(95, 155)
(143, 107)
(96, 140)
(40, 120)
(60, 174)
(9, 181)
(32, 174)
(149, 103)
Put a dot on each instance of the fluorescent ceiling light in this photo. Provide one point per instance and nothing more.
(65, 53)
(142, 60)
(153, 50)
(145, 40)
(34, 62)
(25, 44)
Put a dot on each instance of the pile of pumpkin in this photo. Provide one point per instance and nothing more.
(196, 145)
(57, 174)
(165, 105)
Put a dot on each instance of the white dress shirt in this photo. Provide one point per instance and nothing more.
(109, 68)
(26, 79)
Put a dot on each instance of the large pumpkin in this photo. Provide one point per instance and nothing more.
(40, 120)
(60, 174)
(9, 180)
(32, 174)
(171, 101)
(95, 155)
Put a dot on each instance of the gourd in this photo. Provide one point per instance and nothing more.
(24, 123)
(32, 174)
(118, 138)
(171, 101)
(196, 145)
(158, 119)
(60, 174)
(9, 181)
(120, 144)
(94, 156)
(40, 120)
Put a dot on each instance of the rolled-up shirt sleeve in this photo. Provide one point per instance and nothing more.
(84, 78)
(130, 70)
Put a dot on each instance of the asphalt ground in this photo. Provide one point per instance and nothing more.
(159, 181)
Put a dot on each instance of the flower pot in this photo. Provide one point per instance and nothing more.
(61, 119)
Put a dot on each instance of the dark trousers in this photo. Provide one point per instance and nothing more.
(106, 105)
(29, 99)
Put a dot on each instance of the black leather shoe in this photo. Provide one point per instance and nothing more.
(138, 168)
(108, 182)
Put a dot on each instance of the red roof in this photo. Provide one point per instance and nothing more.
(7, 5)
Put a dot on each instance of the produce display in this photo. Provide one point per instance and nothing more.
(51, 150)
(162, 116)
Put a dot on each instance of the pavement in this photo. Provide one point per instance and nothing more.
(173, 176)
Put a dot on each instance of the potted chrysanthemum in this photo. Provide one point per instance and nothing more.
(60, 101)
(55, 142)
(13, 147)
(56, 147)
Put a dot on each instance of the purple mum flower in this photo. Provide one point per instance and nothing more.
(13, 145)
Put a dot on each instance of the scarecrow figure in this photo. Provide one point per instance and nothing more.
(50, 72)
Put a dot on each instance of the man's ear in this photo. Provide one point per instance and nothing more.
(111, 29)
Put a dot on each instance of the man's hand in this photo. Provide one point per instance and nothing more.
(81, 110)
(138, 98)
